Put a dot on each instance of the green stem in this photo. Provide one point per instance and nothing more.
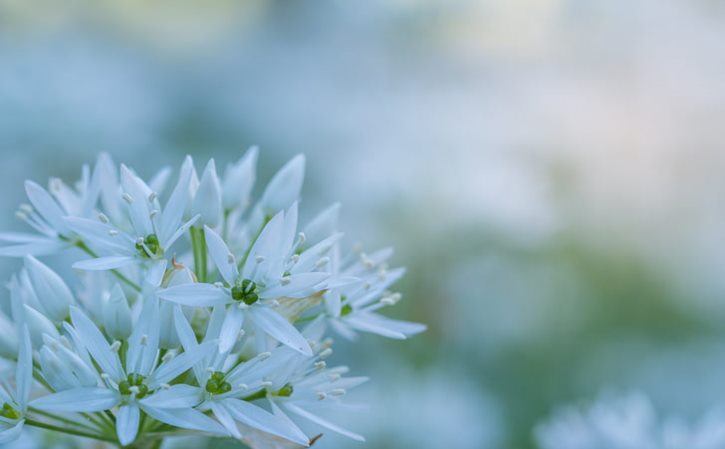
(42, 425)
(80, 244)
(63, 420)
(198, 246)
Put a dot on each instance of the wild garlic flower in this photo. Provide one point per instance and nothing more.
(195, 311)
(628, 422)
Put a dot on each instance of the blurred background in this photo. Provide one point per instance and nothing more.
(550, 172)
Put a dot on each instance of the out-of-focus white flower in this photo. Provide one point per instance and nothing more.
(52, 293)
(628, 422)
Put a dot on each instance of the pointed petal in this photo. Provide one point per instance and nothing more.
(96, 344)
(224, 417)
(285, 186)
(127, 422)
(186, 418)
(299, 285)
(261, 419)
(12, 433)
(196, 295)
(87, 399)
(266, 246)
(105, 263)
(176, 396)
(279, 328)
(222, 257)
(138, 206)
(24, 369)
(322, 422)
(231, 326)
(170, 370)
(175, 206)
(46, 206)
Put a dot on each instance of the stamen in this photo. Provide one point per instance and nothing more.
(325, 353)
(285, 280)
(321, 396)
(320, 365)
(27, 208)
(144, 339)
(165, 386)
(322, 262)
(243, 387)
(259, 259)
(112, 232)
(127, 198)
(334, 377)
(264, 355)
(152, 196)
(266, 384)
(115, 346)
(103, 218)
(338, 392)
(230, 258)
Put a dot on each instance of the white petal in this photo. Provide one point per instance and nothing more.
(322, 422)
(261, 419)
(100, 235)
(176, 396)
(127, 422)
(170, 370)
(46, 206)
(230, 328)
(175, 206)
(181, 231)
(238, 181)
(159, 180)
(186, 418)
(12, 433)
(188, 340)
(279, 328)
(365, 324)
(196, 295)
(267, 246)
(50, 289)
(285, 186)
(222, 257)
(24, 369)
(297, 433)
(208, 198)
(139, 206)
(96, 344)
(38, 325)
(117, 315)
(78, 400)
(225, 417)
(39, 248)
(105, 263)
(299, 286)
(143, 344)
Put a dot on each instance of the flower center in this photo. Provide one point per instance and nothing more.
(216, 384)
(133, 384)
(149, 246)
(8, 411)
(245, 291)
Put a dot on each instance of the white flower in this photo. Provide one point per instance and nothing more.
(151, 334)
(139, 384)
(628, 422)
(153, 231)
(353, 308)
(263, 277)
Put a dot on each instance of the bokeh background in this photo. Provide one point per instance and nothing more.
(550, 171)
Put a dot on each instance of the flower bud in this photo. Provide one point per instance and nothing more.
(238, 181)
(53, 294)
(285, 186)
(208, 200)
(117, 315)
(38, 325)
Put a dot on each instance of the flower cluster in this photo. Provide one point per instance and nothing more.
(194, 309)
(628, 422)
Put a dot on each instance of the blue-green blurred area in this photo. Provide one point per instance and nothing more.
(550, 172)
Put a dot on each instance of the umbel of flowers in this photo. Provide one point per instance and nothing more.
(193, 308)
